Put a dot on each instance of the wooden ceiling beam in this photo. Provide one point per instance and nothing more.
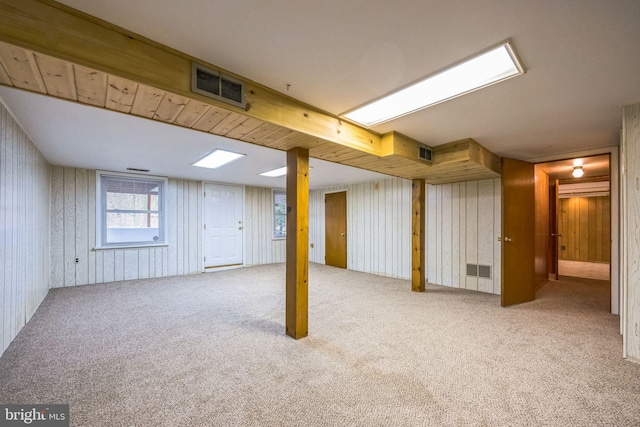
(49, 48)
(59, 31)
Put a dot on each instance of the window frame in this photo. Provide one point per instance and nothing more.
(275, 234)
(101, 211)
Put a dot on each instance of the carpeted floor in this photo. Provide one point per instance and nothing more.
(210, 349)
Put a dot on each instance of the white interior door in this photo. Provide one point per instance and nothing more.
(223, 226)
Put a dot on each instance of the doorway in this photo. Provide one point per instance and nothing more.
(584, 230)
(223, 228)
(540, 187)
(335, 224)
(580, 221)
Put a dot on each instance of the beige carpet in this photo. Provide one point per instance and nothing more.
(210, 349)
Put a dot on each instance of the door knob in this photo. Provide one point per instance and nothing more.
(508, 239)
(239, 228)
(342, 234)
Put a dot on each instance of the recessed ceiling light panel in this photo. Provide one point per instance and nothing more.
(275, 173)
(489, 67)
(217, 158)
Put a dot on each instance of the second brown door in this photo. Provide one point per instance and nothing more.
(335, 214)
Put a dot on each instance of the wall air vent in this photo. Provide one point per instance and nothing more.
(482, 271)
(213, 84)
(425, 153)
(472, 269)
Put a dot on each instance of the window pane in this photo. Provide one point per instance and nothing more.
(280, 214)
(131, 210)
(132, 227)
(137, 202)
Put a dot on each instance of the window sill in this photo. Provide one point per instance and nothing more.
(108, 248)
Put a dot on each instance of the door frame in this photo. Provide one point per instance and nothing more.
(244, 222)
(614, 175)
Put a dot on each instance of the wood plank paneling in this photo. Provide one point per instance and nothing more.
(485, 234)
(118, 265)
(82, 227)
(73, 223)
(631, 231)
(57, 226)
(58, 77)
(438, 236)
(25, 224)
(146, 101)
(191, 113)
(497, 231)
(109, 265)
(585, 225)
(462, 243)
(120, 94)
(22, 68)
(91, 86)
(180, 237)
(69, 254)
(542, 231)
(91, 224)
(471, 241)
(379, 209)
(473, 210)
(170, 107)
(261, 247)
(446, 229)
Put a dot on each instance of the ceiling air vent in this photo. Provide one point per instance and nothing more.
(425, 153)
(214, 84)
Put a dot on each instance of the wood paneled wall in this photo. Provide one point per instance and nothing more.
(463, 224)
(542, 233)
(261, 247)
(378, 226)
(630, 180)
(73, 228)
(464, 221)
(24, 228)
(585, 225)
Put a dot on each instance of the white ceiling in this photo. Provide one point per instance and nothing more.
(581, 58)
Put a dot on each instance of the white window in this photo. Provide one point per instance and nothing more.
(130, 210)
(279, 214)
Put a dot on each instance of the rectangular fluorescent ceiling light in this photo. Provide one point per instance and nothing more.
(491, 66)
(217, 158)
(276, 172)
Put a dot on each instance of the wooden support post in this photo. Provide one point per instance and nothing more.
(418, 235)
(297, 242)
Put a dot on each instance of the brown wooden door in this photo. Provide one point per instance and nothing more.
(518, 232)
(335, 223)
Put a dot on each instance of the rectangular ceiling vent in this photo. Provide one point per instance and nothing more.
(425, 153)
(212, 83)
